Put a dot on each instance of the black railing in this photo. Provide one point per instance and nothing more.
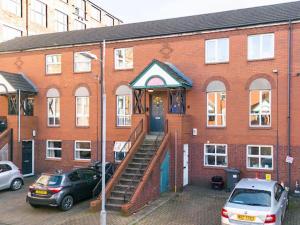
(132, 139)
(157, 144)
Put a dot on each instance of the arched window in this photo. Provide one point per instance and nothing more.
(216, 104)
(124, 98)
(53, 107)
(82, 96)
(260, 103)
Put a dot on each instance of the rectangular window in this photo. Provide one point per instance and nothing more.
(79, 25)
(109, 21)
(260, 157)
(124, 110)
(80, 8)
(120, 150)
(96, 13)
(124, 58)
(215, 155)
(53, 105)
(10, 33)
(216, 109)
(82, 150)
(217, 50)
(260, 108)
(54, 149)
(82, 111)
(13, 6)
(82, 63)
(53, 64)
(39, 12)
(261, 46)
(61, 21)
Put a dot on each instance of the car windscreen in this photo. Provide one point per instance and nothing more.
(49, 180)
(251, 197)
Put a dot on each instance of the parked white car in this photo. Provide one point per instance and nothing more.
(10, 176)
(255, 201)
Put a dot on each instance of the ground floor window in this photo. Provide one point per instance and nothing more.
(54, 149)
(82, 150)
(259, 157)
(120, 150)
(215, 155)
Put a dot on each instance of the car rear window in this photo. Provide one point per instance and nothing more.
(251, 197)
(49, 180)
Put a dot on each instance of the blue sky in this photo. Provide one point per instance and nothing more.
(142, 10)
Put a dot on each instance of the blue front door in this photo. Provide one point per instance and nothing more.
(156, 113)
(164, 174)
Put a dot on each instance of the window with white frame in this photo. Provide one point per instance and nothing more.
(260, 157)
(124, 98)
(82, 106)
(82, 150)
(61, 21)
(53, 107)
(260, 103)
(121, 148)
(80, 8)
(77, 25)
(54, 149)
(261, 46)
(216, 104)
(215, 155)
(96, 13)
(109, 21)
(82, 63)
(13, 6)
(124, 58)
(53, 64)
(10, 33)
(39, 12)
(217, 50)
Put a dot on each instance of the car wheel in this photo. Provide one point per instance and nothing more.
(66, 203)
(16, 184)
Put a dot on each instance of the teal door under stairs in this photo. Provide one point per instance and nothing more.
(164, 174)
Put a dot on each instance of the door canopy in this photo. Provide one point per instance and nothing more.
(161, 75)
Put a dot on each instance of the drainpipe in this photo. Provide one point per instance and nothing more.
(26, 18)
(289, 97)
(19, 116)
(176, 137)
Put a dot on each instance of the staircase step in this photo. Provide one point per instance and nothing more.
(114, 207)
(131, 182)
(123, 187)
(141, 160)
(131, 175)
(121, 193)
(116, 200)
(138, 165)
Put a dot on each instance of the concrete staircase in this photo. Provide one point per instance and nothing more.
(132, 175)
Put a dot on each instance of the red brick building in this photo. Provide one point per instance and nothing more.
(223, 87)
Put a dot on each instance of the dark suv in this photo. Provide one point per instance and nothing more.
(63, 189)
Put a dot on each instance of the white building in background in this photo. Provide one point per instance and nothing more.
(30, 17)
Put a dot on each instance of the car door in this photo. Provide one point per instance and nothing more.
(5, 176)
(280, 200)
(78, 186)
(90, 179)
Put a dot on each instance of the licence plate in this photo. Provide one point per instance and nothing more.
(40, 192)
(246, 218)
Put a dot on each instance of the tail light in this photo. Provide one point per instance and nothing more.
(224, 213)
(270, 219)
(55, 190)
(31, 188)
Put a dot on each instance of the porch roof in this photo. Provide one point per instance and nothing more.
(161, 75)
(10, 83)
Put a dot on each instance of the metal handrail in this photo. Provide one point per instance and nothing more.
(157, 145)
(133, 137)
